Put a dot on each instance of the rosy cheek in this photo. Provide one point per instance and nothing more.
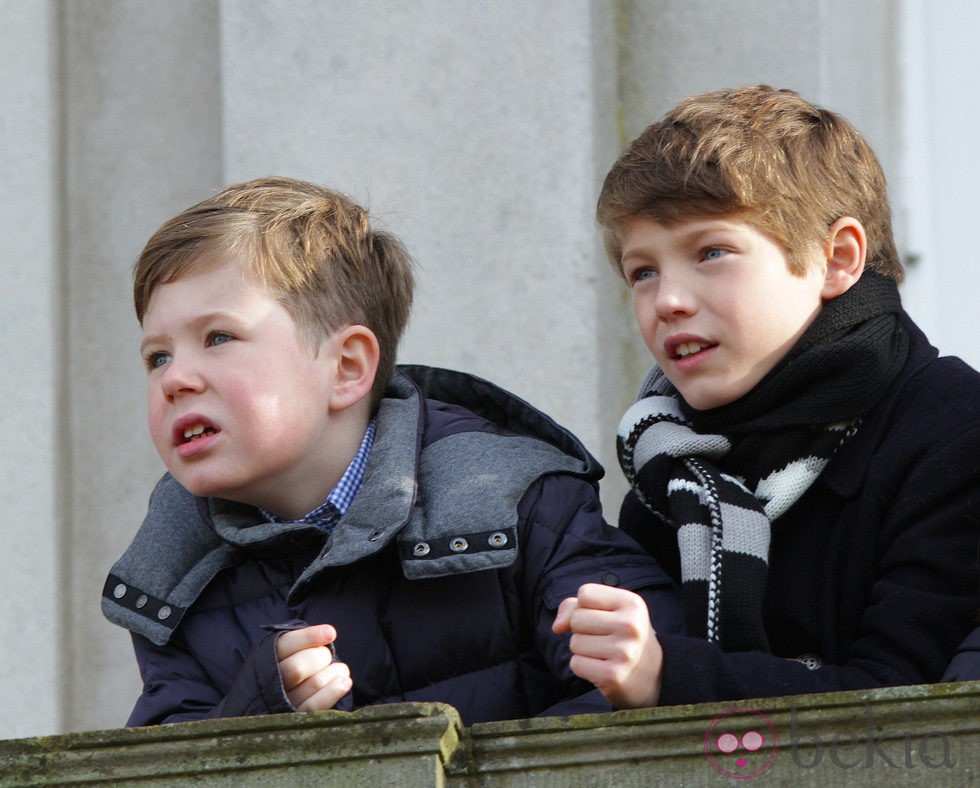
(155, 422)
(155, 434)
(646, 319)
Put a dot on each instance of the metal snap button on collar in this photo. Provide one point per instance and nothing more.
(498, 539)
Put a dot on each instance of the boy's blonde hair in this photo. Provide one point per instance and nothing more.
(312, 246)
(766, 156)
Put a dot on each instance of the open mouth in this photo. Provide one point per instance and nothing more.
(685, 349)
(197, 432)
(191, 430)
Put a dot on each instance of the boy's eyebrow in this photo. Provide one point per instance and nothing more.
(708, 226)
(153, 339)
(196, 322)
(693, 231)
(626, 254)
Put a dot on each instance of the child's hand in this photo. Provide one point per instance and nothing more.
(312, 680)
(613, 644)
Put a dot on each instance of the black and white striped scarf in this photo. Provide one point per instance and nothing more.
(722, 476)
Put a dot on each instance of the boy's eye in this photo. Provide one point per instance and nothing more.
(641, 274)
(218, 338)
(157, 360)
(713, 253)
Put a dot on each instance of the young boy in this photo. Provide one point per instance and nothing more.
(332, 532)
(800, 459)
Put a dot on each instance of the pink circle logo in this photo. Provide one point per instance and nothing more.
(741, 743)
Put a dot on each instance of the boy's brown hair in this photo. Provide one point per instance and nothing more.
(312, 246)
(767, 156)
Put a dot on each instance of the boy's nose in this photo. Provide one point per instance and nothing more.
(673, 298)
(180, 377)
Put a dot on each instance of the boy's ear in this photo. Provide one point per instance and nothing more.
(357, 354)
(844, 248)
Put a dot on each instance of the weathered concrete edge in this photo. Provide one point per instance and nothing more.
(209, 747)
(677, 732)
(669, 737)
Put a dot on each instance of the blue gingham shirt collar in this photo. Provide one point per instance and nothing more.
(342, 495)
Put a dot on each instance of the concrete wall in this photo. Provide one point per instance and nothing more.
(477, 131)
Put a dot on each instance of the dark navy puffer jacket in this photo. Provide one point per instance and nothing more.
(477, 516)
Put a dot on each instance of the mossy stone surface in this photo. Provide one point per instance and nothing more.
(921, 735)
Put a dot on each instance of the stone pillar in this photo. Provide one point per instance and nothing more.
(142, 141)
(31, 292)
(941, 169)
(825, 51)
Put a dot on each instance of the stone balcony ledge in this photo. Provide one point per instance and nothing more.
(919, 735)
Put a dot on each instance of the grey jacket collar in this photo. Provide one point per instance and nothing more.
(466, 521)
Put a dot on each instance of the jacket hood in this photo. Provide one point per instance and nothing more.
(502, 408)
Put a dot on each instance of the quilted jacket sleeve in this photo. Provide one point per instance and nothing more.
(177, 689)
(565, 543)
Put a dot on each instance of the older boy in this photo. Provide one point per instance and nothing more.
(801, 461)
(421, 524)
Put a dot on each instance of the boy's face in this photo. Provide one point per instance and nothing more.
(716, 302)
(238, 406)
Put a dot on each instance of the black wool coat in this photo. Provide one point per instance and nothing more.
(873, 573)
